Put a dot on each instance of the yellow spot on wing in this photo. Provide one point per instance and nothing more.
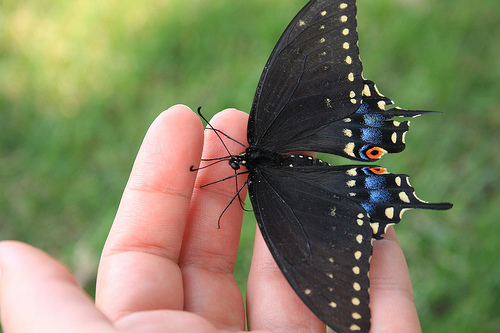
(355, 328)
(356, 315)
(357, 255)
(394, 137)
(404, 197)
(349, 149)
(389, 212)
(366, 91)
(359, 238)
(332, 211)
(352, 172)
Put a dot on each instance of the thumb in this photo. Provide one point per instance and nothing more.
(37, 293)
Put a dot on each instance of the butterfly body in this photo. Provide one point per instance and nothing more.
(319, 220)
(252, 158)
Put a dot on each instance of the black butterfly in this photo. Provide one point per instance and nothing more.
(319, 220)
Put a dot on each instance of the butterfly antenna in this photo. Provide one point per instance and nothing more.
(230, 202)
(227, 136)
(212, 128)
(218, 160)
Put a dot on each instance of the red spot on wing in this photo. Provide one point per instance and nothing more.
(378, 170)
(375, 153)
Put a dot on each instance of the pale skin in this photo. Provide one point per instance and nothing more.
(166, 267)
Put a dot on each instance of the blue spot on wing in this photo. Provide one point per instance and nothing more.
(363, 108)
(374, 119)
(375, 182)
(371, 135)
(380, 196)
(369, 207)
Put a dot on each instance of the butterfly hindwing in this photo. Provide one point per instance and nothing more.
(383, 195)
(318, 222)
(320, 240)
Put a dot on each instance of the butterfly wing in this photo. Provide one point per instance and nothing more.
(321, 241)
(315, 223)
(312, 96)
(310, 75)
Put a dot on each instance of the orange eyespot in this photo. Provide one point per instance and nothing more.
(378, 170)
(375, 153)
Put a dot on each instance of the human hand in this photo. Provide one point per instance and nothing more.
(166, 267)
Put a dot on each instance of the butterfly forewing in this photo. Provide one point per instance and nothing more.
(320, 240)
(313, 77)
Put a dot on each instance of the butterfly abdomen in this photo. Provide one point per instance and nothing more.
(300, 160)
(253, 157)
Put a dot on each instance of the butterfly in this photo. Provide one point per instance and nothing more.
(319, 220)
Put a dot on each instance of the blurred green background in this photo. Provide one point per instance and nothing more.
(80, 82)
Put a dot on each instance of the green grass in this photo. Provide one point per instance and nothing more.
(80, 82)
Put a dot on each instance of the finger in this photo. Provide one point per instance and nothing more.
(391, 293)
(209, 253)
(138, 269)
(39, 294)
(271, 302)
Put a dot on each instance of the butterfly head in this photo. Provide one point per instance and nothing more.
(237, 160)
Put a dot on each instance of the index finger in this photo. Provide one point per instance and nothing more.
(138, 269)
(208, 254)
